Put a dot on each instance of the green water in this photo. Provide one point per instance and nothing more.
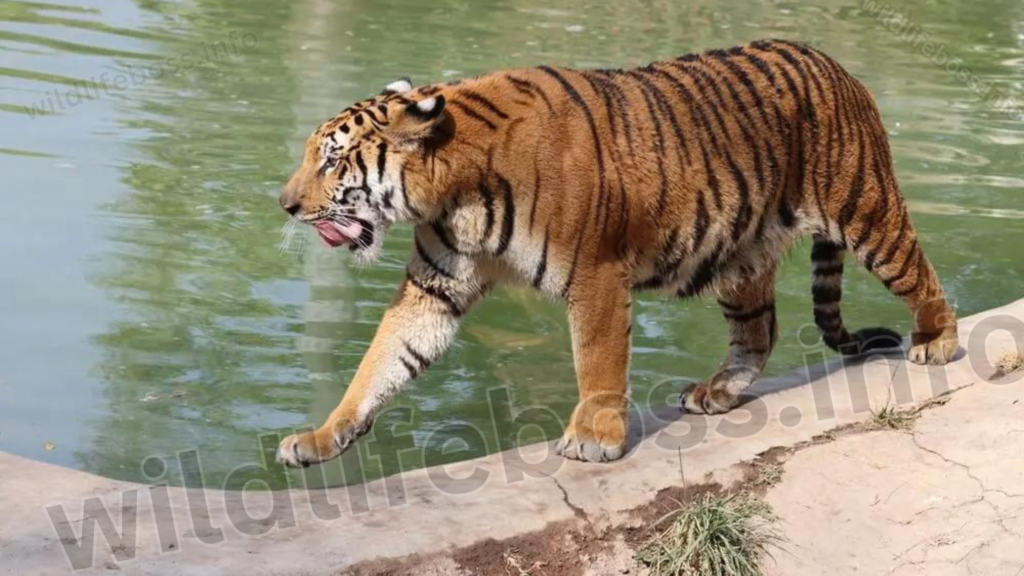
(147, 310)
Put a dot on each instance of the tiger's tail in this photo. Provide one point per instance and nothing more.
(826, 289)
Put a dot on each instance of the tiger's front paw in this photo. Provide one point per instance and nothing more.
(595, 433)
(326, 443)
(703, 399)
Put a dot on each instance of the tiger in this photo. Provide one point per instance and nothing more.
(686, 177)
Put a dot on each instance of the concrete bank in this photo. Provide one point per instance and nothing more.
(181, 531)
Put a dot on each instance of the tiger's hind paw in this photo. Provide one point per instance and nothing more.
(934, 350)
(703, 399)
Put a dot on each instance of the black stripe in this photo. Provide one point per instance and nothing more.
(651, 283)
(910, 290)
(488, 198)
(483, 101)
(905, 269)
(437, 294)
(508, 218)
(751, 315)
(879, 211)
(774, 168)
(730, 307)
(542, 267)
(786, 215)
(405, 197)
(536, 194)
(700, 228)
(704, 274)
(828, 319)
(891, 253)
(423, 360)
(826, 294)
(382, 160)
(827, 270)
(825, 251)
(474, 114)
(670, 254)
(522, 84)
(442, 235)
(856, 192)
(430, 261)
(522, 89)
(745, 211)
(361, 164)
(373, 117)
(408, 366)
(836, 136)
(709, 171)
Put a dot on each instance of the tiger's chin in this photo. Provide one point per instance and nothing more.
(363, 237)
(366, 256)
(370, 246)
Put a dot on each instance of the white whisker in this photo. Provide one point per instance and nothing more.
(288, 234)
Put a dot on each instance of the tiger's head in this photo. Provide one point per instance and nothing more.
(363, 170)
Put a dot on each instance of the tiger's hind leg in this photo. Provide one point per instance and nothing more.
(863, 211)
(891, 252)
(749, 308)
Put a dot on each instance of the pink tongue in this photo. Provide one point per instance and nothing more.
(334, 234)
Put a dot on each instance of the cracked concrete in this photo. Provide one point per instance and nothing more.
(945, 498)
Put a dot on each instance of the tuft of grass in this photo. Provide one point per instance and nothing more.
(1011, 361)
(516, 564)
(715, 536)
(890, 417)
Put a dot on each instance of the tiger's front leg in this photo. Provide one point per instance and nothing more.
(416, 330)
(599, 319)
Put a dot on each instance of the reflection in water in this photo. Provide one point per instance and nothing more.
(178, 325)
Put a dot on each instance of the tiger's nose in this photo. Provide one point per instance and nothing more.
(289, 204)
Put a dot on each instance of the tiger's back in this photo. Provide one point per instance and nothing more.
(688, 168)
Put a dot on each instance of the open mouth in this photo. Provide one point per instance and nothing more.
(354, 232)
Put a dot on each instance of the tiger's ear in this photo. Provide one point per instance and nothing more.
(399, 86)
(417, 120)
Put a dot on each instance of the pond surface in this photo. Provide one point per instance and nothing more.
(147, 310)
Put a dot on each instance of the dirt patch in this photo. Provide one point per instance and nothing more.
(567, 548)
(574, 547)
